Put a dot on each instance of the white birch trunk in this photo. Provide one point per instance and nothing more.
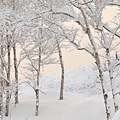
(37, 83)
(112, 80)
(8, 78)
(105, 95)
(62, 68)
(16, 74)
(98, 63)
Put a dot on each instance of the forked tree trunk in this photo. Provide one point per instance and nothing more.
(62, 68)
(37, 84)
(16, 73)
(8, 79)
(98, 63)
(112, 80)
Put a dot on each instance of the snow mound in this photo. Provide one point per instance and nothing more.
(85, 103)
(117, 116)
(73, 107)
(83, 79)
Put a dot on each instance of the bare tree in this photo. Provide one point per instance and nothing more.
(62, 70)
(89, 17)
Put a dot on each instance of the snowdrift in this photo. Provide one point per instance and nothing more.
(82, 98)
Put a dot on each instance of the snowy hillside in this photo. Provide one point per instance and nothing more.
(83, 79)
(117, 116)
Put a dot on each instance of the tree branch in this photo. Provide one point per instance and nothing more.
(111, 31)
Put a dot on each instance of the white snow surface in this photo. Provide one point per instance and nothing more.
(117, 116)
(73, 107)
(83, 79)
(82, 98)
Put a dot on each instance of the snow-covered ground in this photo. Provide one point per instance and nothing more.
(83, 79)
(73, 107)
(82, 98)
(117, 116)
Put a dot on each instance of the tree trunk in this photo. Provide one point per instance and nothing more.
(105, 95)
(37, 102)
(112, 81)
(1, 99)
(98, 63)
(16, 74)
(8, 78)
(37, 83)
(62, 68)
(1, 82)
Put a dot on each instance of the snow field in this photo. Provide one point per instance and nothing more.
(82, 98)
(73, 107)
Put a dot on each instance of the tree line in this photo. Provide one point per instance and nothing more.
(38, 28)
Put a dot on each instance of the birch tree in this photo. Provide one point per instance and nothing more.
(88, 15)
(62, 69)
(109, 47)
(8, 76)
(12, 19)
(38, 52)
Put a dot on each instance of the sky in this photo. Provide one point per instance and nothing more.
(72, 59)
(75, 58)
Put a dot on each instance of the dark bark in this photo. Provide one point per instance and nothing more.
(37, 102)
(62, 69)
(8, 79)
